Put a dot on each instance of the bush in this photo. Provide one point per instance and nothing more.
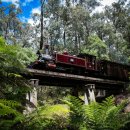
(9, 115)
(48, 118)
(97, 116)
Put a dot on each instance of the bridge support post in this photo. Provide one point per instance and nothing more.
(89, 94)
(85, 98)
(32, 96)
(101, 93)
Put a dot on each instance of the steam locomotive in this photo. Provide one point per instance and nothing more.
(82, 64)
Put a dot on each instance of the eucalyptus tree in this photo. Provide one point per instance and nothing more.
(42, 2)
(26, 36)
(104, 30)
(2, 16)
(10, 23)
(76, 20)
(54, 23)
(118, 16)
(69, 23)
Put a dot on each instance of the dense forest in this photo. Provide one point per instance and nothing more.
(72, 25)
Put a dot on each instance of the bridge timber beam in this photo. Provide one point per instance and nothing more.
(71, 80)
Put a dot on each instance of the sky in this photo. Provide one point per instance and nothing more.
(33, 6)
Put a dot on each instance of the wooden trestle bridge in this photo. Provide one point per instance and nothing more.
(70, 80)
(77, 82)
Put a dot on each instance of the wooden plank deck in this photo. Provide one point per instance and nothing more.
(45, 73)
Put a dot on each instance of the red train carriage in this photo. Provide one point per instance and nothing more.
(75, 64)
(69, 60)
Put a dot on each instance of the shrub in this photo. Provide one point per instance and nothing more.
(9, 115)
(48, 118)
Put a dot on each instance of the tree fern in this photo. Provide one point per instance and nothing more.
(97, 116)
(9, 116)
(77, 113)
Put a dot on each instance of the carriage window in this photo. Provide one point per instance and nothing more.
(91, 60)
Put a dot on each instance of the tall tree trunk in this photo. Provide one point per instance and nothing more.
(79, 40)
(6, 31)
(87, 34)
(51, 45)
(128, 35)
(41, 20)
(64, 37)
(76, 43)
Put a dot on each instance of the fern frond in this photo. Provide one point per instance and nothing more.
(10, 103)
(108, 102)
(9, 115)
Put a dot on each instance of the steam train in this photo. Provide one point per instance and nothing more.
(82, 64)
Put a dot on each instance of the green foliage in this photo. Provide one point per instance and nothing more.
(96, 116)
(45, 95)
(78, 119)
(106, 116)
(9, 115)
(10, 103)
(14, 55)
(25, 55)
(48, 117)
(8, 58)
(13, 86)
(96, 47)
(77, 116)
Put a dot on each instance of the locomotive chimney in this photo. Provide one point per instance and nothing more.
(47, 49)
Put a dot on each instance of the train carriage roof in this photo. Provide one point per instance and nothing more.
(115, 63)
